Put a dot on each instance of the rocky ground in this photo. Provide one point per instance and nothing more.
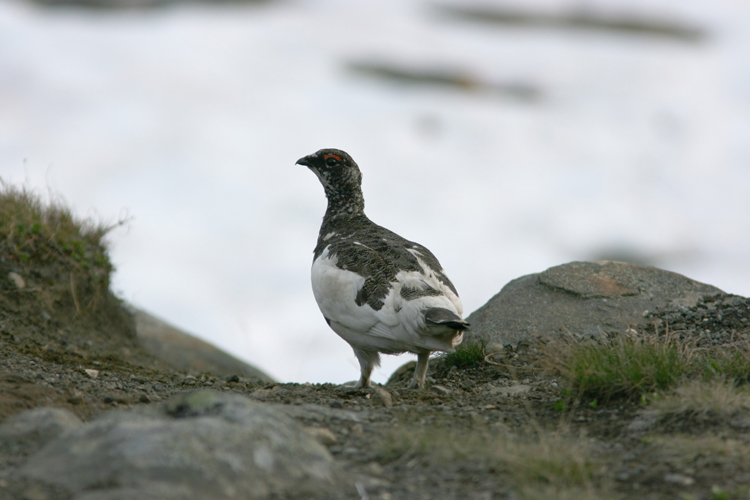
(496, 428)
(88, 413)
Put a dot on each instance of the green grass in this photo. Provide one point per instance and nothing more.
(731, 363)
(632, 367)
(57, 254)
(466, 354)
(31, 230)
(625, 367)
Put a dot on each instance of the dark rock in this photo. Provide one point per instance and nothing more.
(201, 445)
(585, 299)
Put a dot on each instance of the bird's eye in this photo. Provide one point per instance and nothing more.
(330, 161)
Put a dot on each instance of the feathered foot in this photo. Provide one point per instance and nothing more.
(367, 361)
(423, 359)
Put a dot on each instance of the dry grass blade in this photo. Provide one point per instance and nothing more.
(550, 462)
(702, 398)
(686, 449)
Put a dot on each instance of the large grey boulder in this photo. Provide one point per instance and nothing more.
(203, 445)
(585, 299)
(26, 432)
(183, 351)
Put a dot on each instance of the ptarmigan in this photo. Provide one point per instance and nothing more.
(378, 291)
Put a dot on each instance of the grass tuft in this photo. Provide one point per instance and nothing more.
(702, 398)
(725, 362)
(687, 449)
(624, 367)
(551, 463)
(52, 248)
(466, 354)
(31, 230)
(634, 367)
(550, 460)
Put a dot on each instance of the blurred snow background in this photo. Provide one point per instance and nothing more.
(189, 119)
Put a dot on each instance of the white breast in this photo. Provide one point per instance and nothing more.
(398, 326)
(335, 292)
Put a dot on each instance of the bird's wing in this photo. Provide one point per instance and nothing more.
(380, 285)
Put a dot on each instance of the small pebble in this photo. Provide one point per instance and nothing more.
(382, 396)
(679, 479)
(17, 280)
(441, 390)
(322, 435)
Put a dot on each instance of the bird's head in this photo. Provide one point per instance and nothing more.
(338, 173)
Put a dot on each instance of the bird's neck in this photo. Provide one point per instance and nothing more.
(340, 219)
(344, 204)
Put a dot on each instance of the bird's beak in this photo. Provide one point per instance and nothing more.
(304, 161)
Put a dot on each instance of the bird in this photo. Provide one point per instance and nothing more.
(378, 291)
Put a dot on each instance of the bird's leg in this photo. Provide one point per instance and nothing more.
(367, 361)
(423, 359)
(363, 382)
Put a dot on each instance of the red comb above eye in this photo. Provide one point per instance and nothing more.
(338, 158)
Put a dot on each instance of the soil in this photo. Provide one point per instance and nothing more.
(393, 442)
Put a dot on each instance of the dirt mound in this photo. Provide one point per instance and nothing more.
(56, 309)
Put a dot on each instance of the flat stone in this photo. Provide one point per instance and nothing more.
(441, 390)
(645, 421)
(201, 445)
(679, 479)
(513, 390)
(323, 435)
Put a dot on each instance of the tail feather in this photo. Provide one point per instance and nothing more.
(445, 317)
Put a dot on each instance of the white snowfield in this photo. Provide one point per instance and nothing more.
(189, 120)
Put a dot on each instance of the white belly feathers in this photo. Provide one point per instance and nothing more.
(398, 326)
